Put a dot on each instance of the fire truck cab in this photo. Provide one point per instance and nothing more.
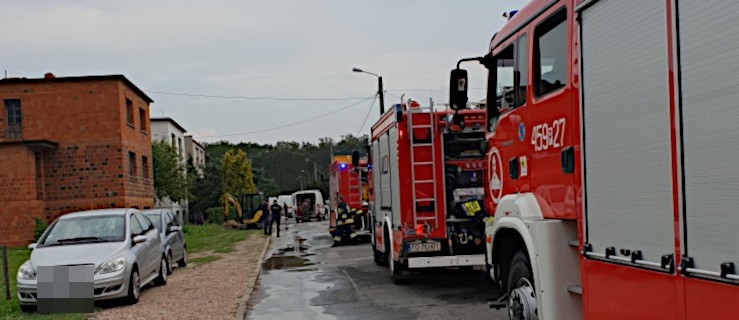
(427, 176)
(612, 147)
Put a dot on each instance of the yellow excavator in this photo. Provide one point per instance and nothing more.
(247, 219)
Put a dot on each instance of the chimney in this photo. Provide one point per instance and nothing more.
(49, 75)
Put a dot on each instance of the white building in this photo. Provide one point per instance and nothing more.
(196, 152)
(169, 131)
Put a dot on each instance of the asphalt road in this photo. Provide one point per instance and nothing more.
(305, 278)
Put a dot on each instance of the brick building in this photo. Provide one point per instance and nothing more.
(70, 144)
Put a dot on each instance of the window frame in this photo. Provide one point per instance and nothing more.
(132, 164)
(548, 24)
(512, 44)
(145, 167)
(130, 117)
(132, 219)
(142, 120)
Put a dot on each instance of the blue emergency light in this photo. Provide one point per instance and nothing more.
(342, 165)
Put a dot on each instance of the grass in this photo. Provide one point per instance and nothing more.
(9, 308)
(211, 237)
(199, 239)
(205, 259)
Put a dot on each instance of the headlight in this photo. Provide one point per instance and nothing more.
(26, 272)
(112, 266)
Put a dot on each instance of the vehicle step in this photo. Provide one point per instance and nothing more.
(575, 288)
(425, 144)
(422, 127)
(424, 181)
(425, 199)
(426, 163)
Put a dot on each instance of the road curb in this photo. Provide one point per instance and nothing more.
(243, 302)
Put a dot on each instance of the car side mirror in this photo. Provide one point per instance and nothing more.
(484, 146)
(139, 239)
(32, 246)
(173, 229)
(458, 89)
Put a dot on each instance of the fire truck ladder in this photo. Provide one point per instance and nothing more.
(426, 145)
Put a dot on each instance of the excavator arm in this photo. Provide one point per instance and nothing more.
(229, 199)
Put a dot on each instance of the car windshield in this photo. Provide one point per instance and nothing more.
(85, 230)
(156, 220)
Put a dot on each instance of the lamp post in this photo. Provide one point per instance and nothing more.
(380, 91)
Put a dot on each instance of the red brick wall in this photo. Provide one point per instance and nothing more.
(18, 196)
(89, 168)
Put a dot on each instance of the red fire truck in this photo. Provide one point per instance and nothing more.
(427, 177)
(612, 147)
(346, 180)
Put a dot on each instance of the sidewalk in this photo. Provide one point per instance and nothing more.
(213, 290)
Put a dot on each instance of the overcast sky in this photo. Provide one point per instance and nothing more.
(244, 48)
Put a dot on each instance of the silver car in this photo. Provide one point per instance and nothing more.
(173, 240)
(122, 245)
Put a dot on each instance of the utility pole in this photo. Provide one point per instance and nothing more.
(381, 92)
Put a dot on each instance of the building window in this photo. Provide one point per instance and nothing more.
(142, 119)
(129, 112)
(145, 167)
(174, 141)
(551, 54)
(179, 146)
(14, 119)
(131, 163)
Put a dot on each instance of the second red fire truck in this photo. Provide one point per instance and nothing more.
(427, 175)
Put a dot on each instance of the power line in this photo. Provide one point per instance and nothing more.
(426, 90)
(289, 124)
(251, 98)
(366, 116)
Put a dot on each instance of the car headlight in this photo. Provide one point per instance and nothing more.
(112, 266)
(26, 272)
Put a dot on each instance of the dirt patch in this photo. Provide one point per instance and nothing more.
(207, 291)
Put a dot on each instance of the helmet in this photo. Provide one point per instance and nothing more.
(365, 204)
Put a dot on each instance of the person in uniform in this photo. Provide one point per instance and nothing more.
(276, 213)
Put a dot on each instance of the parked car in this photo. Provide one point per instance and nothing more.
(122, 245)
(170, 232)
(316, 200)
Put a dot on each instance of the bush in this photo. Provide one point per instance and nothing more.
(39, 229)
(214, 216)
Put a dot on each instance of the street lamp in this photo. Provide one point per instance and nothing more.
(380, 91)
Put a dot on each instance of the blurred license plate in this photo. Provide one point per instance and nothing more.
(425, 247)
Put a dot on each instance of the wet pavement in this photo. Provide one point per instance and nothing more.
(305, 278)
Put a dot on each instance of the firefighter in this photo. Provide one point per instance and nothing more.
(344, 224)
(265, 215)
(275, 212)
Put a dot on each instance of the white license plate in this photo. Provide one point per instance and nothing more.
(425, 247)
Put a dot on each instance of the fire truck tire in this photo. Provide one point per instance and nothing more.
(379, 257)
(397, 275)
(522, 302)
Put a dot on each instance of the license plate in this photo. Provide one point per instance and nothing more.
(425, 247)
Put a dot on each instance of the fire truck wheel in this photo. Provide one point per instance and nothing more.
(397, 275)
(522, 302)
(379, 257)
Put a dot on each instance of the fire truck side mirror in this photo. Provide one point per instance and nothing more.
(458, 89)
(355, 159)
(484, 146)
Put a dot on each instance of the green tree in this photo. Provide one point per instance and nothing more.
(237, 177)
(169, 172)
(207, 189)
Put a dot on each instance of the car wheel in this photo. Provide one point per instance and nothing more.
(27, 308)
(134, 287)
(162, 278)
(169, 263)
(183, 262)
(379, 258)
(522, 302)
